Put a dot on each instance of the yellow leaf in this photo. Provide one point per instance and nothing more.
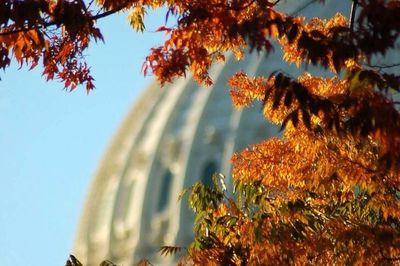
(136, 18)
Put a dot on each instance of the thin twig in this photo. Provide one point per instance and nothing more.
(90, 3)
(275, 3)
(384, 66)
(302, 8)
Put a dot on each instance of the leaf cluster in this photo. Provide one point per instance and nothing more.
(263, 225)
(328, 191)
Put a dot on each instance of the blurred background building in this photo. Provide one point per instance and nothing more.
(173, 137)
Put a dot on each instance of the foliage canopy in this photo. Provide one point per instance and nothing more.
(329, 190)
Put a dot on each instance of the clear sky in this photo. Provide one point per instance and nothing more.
(51, 142)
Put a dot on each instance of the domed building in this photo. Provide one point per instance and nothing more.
(172, 137)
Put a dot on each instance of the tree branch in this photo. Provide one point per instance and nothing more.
(54, 23)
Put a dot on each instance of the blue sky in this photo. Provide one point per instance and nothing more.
(51, 142)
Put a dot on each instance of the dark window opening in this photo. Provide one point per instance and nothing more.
(209, 169)
(164, 192)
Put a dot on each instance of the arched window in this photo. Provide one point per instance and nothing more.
(209, 169)
(165, 188)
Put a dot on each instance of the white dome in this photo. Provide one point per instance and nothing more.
(173, 137)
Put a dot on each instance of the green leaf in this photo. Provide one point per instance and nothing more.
(169, 250)
(182, 194)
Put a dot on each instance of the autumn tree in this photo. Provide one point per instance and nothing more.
(328, 191)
